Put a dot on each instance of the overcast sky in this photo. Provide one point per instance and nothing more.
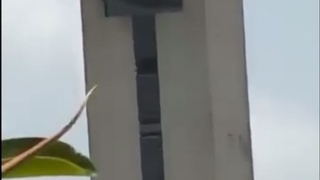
(42, 74)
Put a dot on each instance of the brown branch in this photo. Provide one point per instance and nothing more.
(44, 143)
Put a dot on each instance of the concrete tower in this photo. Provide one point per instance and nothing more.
(172, 100)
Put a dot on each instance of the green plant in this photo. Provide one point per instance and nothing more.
(36, 156)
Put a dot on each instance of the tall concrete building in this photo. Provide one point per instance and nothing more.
(172, 100)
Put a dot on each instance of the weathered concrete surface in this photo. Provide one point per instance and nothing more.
(203, 91)
(112, 111)
(203, 85)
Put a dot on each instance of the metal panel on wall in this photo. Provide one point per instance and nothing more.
(140, 7)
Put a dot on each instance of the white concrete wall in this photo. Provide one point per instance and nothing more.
(203, 85)
(203, 91)
(112, 111)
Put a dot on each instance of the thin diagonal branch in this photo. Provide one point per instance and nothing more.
(44, 143)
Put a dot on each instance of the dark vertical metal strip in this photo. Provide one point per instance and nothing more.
(145, 49)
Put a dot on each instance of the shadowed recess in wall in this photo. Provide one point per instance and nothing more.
(140, 7)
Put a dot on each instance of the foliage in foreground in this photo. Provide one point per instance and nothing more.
(37, 156)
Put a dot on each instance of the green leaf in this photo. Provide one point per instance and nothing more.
(57, 159)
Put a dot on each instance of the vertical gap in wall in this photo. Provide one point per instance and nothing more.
(145, 49)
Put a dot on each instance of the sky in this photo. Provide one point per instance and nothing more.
(42, 74)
